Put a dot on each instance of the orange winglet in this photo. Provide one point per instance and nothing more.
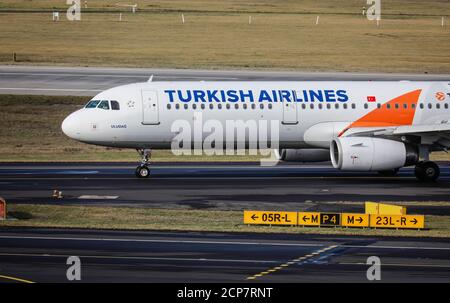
(392, 116)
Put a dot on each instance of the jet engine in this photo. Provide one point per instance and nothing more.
(371, 154)
(304, 155)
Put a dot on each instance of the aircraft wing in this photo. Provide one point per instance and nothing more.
(429, 133)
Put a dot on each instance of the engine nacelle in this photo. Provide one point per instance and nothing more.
(371, 154)
(304, 155)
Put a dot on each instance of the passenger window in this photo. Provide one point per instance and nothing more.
(366, 106)
(438, 106)
(345, 105)
(328, 105)
(413, 105)
(388, 106)
(405, 106)
(115, 105)
(320, 105)
(236, 106)
(177, 106)
(336, 106)
(261, 106)
(446, 105)
(396, 105)
(421, 105)
(353, 105)
(228, 106)
(378, 105)
(311, 106)
(304, 106)
(245, 105)
(211, 106)
(202, 106)
(253, 105)
(219, 106)
(92, 104)
(194, 106)
(168, 106)
(104, 105)
(186, 106)
(430, 106)
(270, 105)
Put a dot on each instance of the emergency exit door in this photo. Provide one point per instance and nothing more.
(150, 111)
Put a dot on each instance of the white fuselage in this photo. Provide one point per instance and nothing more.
(309, 114)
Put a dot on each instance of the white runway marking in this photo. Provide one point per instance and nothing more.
(221, 242)
(399, 264)
(163, 241)
(51, 89)
(142, 258)
(94, 197)
(123, 76)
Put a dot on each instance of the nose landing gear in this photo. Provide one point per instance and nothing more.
(143, 170)
(427, 171)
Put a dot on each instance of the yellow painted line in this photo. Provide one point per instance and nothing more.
(251, 278)
(293, 261)
(15, 279)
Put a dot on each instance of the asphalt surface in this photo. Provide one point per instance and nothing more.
(86, 81)
(220, 186)
(40, 255)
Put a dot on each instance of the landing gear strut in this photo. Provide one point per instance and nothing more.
(143, 170)
(427, 171)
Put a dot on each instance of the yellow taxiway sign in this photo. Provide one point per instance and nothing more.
(397, 221)
(270, 217)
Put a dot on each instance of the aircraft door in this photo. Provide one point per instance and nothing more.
(290, 112)
(150, 109)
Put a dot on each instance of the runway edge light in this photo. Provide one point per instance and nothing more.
(3, 209)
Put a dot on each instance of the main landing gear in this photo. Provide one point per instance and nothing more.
(424, 171)
(143, 170)
(427, 171)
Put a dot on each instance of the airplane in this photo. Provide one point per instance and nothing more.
(377, 126)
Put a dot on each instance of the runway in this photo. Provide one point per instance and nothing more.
(223, 186)
(40, 255)
(88, 81)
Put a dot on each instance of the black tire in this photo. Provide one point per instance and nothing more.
(427, 171)
(142, 171)
(389, 173)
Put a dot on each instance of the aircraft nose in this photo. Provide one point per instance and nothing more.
(69, 127)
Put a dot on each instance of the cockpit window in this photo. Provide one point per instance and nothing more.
(104, 105)
(115, 105)
(92, 104)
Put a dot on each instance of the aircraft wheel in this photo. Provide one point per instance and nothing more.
(427, 171)
(142, 171)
